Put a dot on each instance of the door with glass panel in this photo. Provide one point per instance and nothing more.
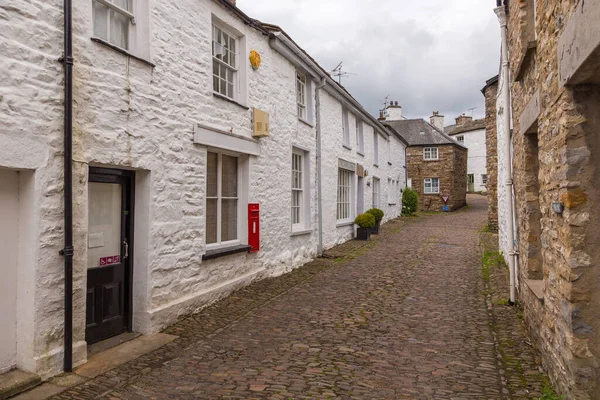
(110, 244)
(470, 183)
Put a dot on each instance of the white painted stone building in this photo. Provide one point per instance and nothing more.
(471, 134)
(169, 151)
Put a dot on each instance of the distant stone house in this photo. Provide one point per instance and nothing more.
(436, 165)
(553, 85)
(198, 135)
(471, 134)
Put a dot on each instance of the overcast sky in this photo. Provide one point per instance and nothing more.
(427, 54)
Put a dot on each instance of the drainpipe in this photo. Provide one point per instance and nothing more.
(67, 252)
(319, 167)
(512, 259)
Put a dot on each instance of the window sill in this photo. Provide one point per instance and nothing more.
(376, 165)
(537, 288)
(122, 51)
(305, 122)
(360, 153)
(392, 204)
(344, 223)
(525, 60)
(389, 163)
(225, 251)
(220, 96)
(346, 146)
(301, 232)
(431, 159)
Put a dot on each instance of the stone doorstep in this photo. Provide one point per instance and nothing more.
(15, 382)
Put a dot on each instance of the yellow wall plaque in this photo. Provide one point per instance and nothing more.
(254, 59)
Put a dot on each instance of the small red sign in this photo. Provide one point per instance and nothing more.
(110, 260)
(445, 199)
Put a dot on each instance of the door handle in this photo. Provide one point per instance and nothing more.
(126, 248)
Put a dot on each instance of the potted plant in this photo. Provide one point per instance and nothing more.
(378, 214)
(365, 223)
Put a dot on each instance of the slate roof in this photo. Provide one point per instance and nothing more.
(410, 130)
(468, 127)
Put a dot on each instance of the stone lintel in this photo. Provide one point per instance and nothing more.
(579, 46)
(530, 115)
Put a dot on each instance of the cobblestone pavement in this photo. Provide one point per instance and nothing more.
(401, 317)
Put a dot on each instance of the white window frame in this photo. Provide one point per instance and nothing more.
(432, 189)
(301, 96)
(460, 138)
(376, 149)
(360, 137)
(376, 192)
(239, 234)
(113, 8)
(484, 179)
(225, 65)
(346, 129)
(301, 160)
(345, 195)
(431, 153)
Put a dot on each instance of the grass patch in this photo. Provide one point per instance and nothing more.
(502, 302)
(490, 259)
(549, 394)
(486, 229)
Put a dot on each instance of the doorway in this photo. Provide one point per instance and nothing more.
(110, 258)
(360, 196)
(470, 183)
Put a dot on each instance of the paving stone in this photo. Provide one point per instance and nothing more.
(403, 316)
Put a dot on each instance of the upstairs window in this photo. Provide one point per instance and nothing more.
(301, 96)
(345, 128)
(375, 149)
(484, 179)
(460, 139)
(224, 47)
(430, 153)
(112, 21)
(360, 139)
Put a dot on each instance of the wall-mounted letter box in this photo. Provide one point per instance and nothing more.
(254, 227)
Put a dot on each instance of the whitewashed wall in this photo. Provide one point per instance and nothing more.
(130, 115)
(503, 137)
(476, 163)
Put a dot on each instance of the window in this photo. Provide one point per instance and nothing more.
(484, 179)
(301, 96)
(221, 199)
(360, 140)
(430, 153)
(300, 190)
(432, 185)
(224, 62)
(112, 21)
(344, 194)
(460, 139)
(375, 149)
(376, 192)
(346, 128)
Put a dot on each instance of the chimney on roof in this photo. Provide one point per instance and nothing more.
(232, 2)
(437, 120)
(463, 119)
(393, 112)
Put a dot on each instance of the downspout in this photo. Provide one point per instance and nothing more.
(512, 259)
(67, 252)
(319, 167)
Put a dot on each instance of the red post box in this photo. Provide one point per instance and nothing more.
(254, 227)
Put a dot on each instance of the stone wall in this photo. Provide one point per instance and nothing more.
(491, 141)
(450, 168)
(556, 156)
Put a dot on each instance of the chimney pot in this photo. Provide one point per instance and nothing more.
(437, 120)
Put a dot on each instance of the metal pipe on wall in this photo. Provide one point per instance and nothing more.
(68, 251)
(512, 259)
(319, 166)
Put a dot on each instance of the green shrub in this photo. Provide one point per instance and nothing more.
(365, 220)
(377, 213)
(410, 201)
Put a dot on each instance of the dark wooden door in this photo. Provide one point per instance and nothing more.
(110, 244)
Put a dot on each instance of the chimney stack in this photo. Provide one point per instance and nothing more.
(232, 2)
(463, 119)
(437, 120)
(394, 112)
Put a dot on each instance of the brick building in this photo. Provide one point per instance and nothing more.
(436, 165)
(554, 78)
(490, 91)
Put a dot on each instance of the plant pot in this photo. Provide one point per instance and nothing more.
(363, 233)
(375, 229)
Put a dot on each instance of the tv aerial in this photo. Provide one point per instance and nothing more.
(338, 71)
(471, 110)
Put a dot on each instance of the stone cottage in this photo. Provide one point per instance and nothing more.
(209, 151)
(471, 134)
(436, 164)
(552, 78)
(490, 92)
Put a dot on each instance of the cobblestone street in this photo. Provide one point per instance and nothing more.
(401, 317)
